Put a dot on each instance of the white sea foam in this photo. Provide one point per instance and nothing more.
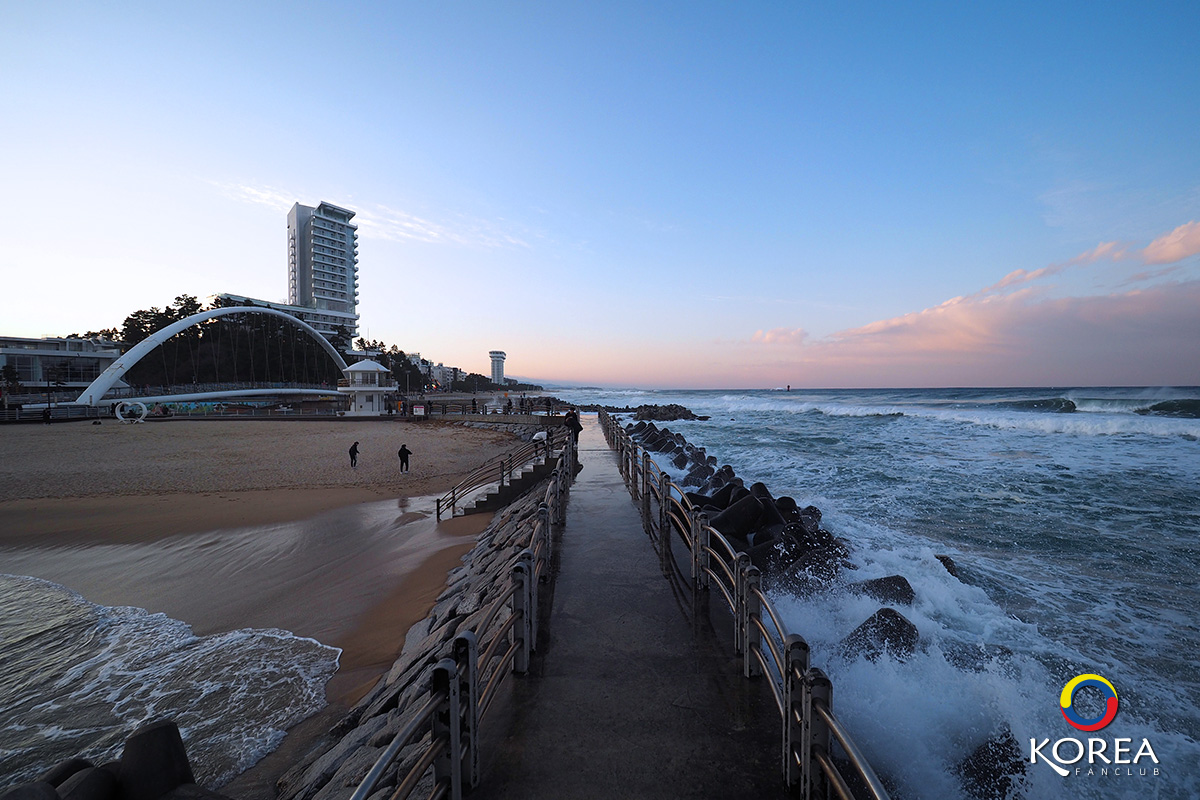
(84, 685)
(1074, 534)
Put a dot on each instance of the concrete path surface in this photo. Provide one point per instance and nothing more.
(627, 697)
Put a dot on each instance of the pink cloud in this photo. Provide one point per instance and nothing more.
(1150, 336)
(780, 336)
(1175, 246)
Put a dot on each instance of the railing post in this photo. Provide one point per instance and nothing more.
(665, 529)
(816, 733)
(646, 491)
(447, 723)
(740, 563)
(544, 521)
(751, 609)
(699, 550)
(795, 664)
(466, 656)
(522, 609)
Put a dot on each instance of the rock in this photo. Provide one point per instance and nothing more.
(667, 413)
(304, 784)
(92, 783)
(39, 790)
(885, 630)
(63, 770)
(892, 589)
(698, 475)
(949, 564)
(740, 519)
(154, 762)
(974, 657)
(995, 770)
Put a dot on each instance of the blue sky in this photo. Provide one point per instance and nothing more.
(686, 194)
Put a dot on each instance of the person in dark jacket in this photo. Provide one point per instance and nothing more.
(404, 453)
(354, 455)
(574, 425)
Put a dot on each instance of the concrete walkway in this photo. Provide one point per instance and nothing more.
(627, 697)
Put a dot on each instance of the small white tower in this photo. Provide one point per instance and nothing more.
(497, 366)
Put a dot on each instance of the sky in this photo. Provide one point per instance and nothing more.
(692, 194)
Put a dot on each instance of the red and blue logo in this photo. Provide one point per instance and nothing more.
(1067, 702)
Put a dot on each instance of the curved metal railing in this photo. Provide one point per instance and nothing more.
(803, 694)
(500, 470)
(462, 687)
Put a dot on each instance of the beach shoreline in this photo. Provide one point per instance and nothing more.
(267, 526)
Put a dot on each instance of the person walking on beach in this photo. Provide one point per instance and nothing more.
(404, 453)
(354, 455)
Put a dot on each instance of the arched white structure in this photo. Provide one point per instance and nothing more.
(94, 394)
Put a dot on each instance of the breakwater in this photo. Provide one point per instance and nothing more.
(743, 543)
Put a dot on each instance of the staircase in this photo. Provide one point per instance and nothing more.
(497, 496)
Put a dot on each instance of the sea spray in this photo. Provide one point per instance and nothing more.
(1074, 535)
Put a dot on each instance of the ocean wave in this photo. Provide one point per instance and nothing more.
(1189, 409)
(89, 675)
(1053, 405)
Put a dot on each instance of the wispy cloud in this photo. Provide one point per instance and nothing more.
(378, 221)
(384, 222)
(791, 336)
(275, 199)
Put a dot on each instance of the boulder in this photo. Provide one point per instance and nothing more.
(671, 411)
(892, 589)
(740, 519)
(93, 783)
(154, 762)
(949, 564)
(63, 770)
(995, 770)
(885, 630)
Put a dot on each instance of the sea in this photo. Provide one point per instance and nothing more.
(1073, 518)
(76, 678)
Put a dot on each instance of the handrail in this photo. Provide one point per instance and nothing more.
(454, 704)
(822, 709)
(802, 695)
(499, 469)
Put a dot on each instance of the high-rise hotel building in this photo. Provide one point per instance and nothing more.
(323, 266)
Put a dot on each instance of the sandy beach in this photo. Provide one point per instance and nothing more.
(226, 524)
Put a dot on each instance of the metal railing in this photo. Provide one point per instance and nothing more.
(803, 694)
(462, 687)
(501, 471)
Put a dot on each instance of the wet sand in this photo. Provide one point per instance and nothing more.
(234, 524)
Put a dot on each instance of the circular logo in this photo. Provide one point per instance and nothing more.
(1066, 701)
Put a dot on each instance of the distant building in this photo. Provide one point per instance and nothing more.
(323, 264)
(497, 357)
(322, 271)
(73, 362)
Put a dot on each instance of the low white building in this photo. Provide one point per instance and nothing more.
(369, 387)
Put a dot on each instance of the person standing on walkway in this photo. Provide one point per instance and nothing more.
(574, 425)
(404, 453)
(354, 455)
